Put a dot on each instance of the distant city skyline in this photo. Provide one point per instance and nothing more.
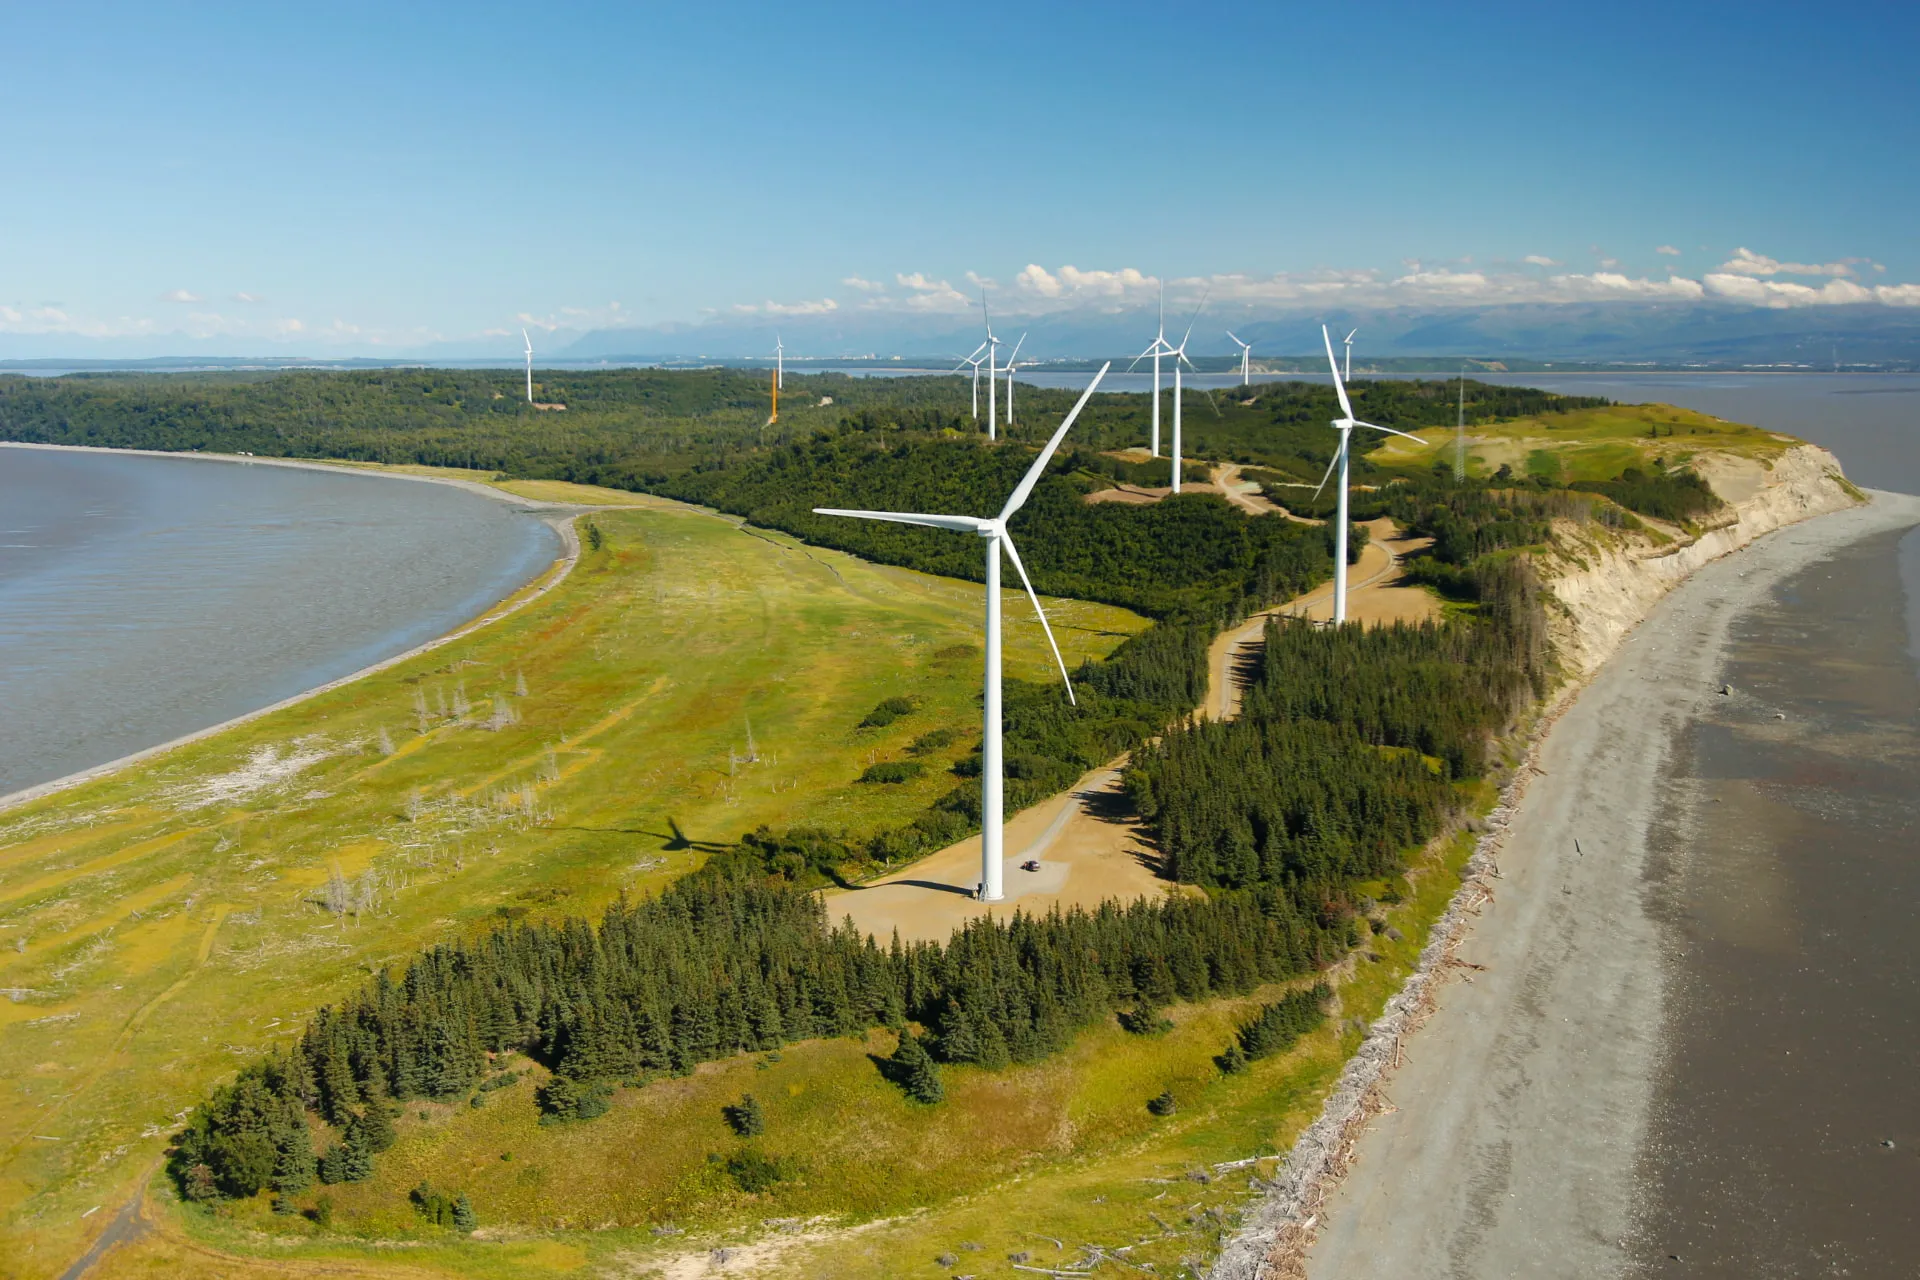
(373, 181)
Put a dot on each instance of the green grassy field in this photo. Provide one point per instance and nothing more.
(1586, 444)
(160, 927)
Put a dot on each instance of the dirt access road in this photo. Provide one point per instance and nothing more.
(1089, 845)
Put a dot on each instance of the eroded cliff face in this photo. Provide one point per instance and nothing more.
(1607, 585)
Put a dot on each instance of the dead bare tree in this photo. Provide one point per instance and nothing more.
(520, 684)
(420, 709)
(384, 741)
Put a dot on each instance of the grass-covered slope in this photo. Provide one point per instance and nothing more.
(167, 924)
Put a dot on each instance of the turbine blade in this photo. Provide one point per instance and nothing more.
(1346, 409)
(1144, 354)
(1330, 466)
(1349, 337)
(1389, 430)
(1204, 295)
(960, 524)
(1032, 477)
(1016, 351)
(1013, 554)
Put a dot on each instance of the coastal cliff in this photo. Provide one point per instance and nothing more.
(1605, 586)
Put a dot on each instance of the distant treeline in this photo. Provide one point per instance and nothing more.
(632, 427)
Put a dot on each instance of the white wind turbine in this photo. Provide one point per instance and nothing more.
(529, 341)
(1347, 373)
(1007, 369)
(976, 362)
(1160, 348)
(779, 363)
(1246, 354)
(992, 345)
(1344, 424)
(994, 531)
(1157, 348)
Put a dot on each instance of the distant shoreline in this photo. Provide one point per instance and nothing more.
(559, 518)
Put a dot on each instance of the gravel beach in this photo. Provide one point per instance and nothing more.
(1518, 1119)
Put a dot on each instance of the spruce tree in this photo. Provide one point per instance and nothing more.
(464, 1219)
(746, 1118)
(356, 1159)
(914, 1070)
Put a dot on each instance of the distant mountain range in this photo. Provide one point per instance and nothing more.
(1658, 335)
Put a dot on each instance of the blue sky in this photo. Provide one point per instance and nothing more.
(369, 177)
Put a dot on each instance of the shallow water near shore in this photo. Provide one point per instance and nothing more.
(1787, 883)
(144, 598)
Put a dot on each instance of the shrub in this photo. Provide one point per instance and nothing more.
(562, 1099)
(441, 1209)
(745, 1117)
(912, 1068)
(893, 771)
(754, 1171)
(1162, 1104)
(933, 740)
(1233, 1061)
(1280, 1025)
(889, 710)
(1145, 1020)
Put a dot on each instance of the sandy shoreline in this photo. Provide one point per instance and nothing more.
(559, 518)
(1511, 1131)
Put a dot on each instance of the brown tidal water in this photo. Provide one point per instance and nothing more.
(1787, 883)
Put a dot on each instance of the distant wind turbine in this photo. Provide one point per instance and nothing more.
(1157, 348)
(992, 344)
(994, 531)
(1348, 372)
(1344, 424)
(529, 341)
(976, 362)
(779, 362)
(1179, 355)
(1460, 432)
(1246, 354)
(1012, 360)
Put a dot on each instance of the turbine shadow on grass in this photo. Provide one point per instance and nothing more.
(918, 884)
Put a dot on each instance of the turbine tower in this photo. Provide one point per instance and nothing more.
(529, 341)
(1157, 348)
(779, 362)
(1007, 369)
(976, 362)
(992, 344)
(994, 531)
(1246, 354)
(1460, 433)
(1179, 355)
(1344, 424)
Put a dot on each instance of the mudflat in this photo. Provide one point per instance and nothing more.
(1524, 1108)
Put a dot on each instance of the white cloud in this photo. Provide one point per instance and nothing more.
(1785, 293)
(1668, 250)
(1608, 264)
(1036, 279)
(180, 295)
(864, 286)
(821, 307)
(1447, 281)
(1898, 295)
(1540, 260)
(1745, 262)
(931, 295)
(247, 297)
(1611, 284)
(609, 316)
(1107, 284)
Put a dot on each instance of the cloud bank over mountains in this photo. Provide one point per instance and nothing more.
(1074, 311)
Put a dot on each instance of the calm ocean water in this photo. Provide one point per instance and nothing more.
(143, 598)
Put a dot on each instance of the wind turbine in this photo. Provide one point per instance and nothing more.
(1348, 372)
(992, 344)
(1344, 424)
(1157, 348)
(994, 531)
(529, 341)
(976, 362)
(1179, 355)
(1012, 360)
(1460, 432)
(1246, 352)
(779, 362)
